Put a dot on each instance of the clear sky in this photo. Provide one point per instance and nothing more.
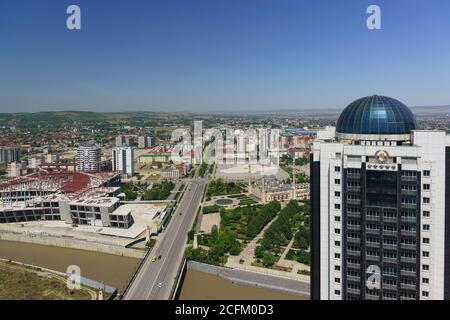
(213, 55)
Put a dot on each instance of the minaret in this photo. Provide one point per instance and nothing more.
(294, 195)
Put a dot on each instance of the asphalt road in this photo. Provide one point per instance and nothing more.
(155, 280)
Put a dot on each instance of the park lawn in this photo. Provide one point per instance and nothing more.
(21, 283)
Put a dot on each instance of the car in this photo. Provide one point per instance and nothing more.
(160, 285)
(154, 258)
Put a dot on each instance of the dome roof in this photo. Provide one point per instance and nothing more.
(376, 115)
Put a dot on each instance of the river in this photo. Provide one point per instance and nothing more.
(112, 270)
(199, 285)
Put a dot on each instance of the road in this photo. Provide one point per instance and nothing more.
(155, 280)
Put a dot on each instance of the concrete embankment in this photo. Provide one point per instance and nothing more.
(73, 243)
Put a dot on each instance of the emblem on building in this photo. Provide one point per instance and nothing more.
(381, 156)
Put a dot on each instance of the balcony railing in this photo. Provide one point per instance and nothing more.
(389, 286)
(408, 192)
(354, 278)
(408, 232)
(390, 219)
(353, 227)
(408, 219)
(373, 218)
(372, 258)
(389, 260)
(354, 201)
(372, 244)
(354, 189)
(354, 240)
(354, 214)
(408, 259)
(354, 265)
(408, 246)
(389, 233)
(353, 291)
(372, 231)
(409, 178)
(408, 286)
(409, 205)
(390, 246)
(354, 175)
(408, 273)
(354, 252)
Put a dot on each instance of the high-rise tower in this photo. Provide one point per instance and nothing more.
(380, 201)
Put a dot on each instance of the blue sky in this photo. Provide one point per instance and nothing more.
(213, 55)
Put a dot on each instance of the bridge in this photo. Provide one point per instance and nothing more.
(156, 280)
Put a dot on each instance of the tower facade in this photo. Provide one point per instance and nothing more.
(380, 206)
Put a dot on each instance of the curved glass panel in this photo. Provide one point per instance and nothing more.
(376, 115)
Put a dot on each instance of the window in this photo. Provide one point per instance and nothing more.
(337, 219)
(337, 181)
(337, 280)
(425, 294)
(426, 214)
(426, 200)
(337, 206)
(425, 267)
(337, 255)
(426, 173)
(337, 194)
(426, 227)
(337, 243)
(337, 169)
(337, 268)
(337, 231)
(425, 280)
(426, 240)
(337, 292)
(426, 186)
(425, 254)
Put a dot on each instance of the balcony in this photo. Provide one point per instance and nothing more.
(408, 233)
(352, 227)
(353, 291)
(354, 252)
(408, 246)
(406, 273)
(390, 219)
(389, 260)
(409, 219)
(354, 265)
(373, 218)
(389, 286)
(353, 189)
(408, 205)
(390, 233)
(353, 176)
(373, 231)
(354, 201)
(372, 258)
(409, 178)
(408, 286)
(354, 240)
(408, 259)
(354, 214)
(354, 278)
(409, 192)
(389, 246)
(372, 244)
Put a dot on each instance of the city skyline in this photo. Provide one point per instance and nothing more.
(209, 57)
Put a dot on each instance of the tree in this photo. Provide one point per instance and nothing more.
(259, 252)
(268, 259)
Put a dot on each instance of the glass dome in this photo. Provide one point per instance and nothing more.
(376, 115)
